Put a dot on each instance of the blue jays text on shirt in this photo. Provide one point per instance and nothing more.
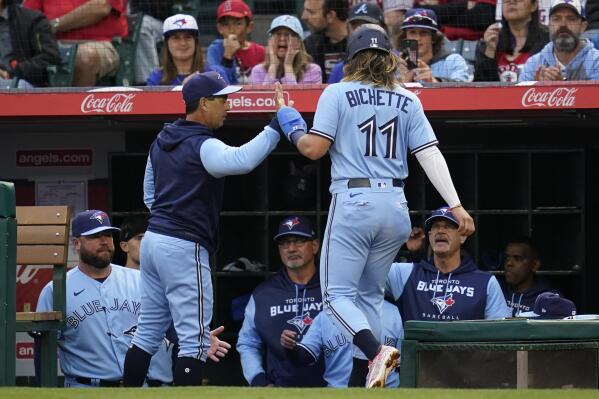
(291, 307)
(92, 307)
(439, 286)
(332, 344)
(364, 96)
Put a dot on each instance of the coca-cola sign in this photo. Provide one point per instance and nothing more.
(559, 97)
(117, 103)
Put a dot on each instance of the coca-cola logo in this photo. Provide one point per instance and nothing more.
(558, 97)
(117, 103)
(26, 273)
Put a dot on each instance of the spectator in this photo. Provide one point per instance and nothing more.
(447, 286)
(27, 46)
(181, 55)
(92, 24)
(591, 13)
(359, 14)
(522, 284)
(150, 34)
(395, 12)
(291, 299)
(325, 338)
(132, 232)
(435, 64)
(505, 47)
(102, 312)
(287, 60)
(462, 19)
(326, 20)
(234, 52)
(567, 56)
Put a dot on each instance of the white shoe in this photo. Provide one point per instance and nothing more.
(379, 368)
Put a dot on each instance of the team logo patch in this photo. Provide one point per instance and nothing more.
(301, 322)
(130, 332)
(443, 303)
(99, 217)
(180, 23)
(291, 223)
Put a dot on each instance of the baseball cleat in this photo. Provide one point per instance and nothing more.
(379, 368)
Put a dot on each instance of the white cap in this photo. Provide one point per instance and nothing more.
(179, 22)
(397, 5)
(572, 4)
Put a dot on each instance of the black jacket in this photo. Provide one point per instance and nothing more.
(33, 45)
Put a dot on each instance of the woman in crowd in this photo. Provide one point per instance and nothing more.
(286, 60)
(505, 47)
(181, 53)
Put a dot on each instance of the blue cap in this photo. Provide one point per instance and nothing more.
(421, 18)
(206, 84)
(91, 222)
(368, 12)
(442, 213)
(295, 226)
(289, 22)
(549, 305)
(368, 37)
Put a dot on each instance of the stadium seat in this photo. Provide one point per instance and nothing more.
(453, 46)
(62, 75)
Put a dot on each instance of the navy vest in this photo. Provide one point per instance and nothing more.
(434, 296)
(277, 310)
(187, 199)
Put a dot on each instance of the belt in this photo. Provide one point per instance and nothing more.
(364, 182)
(102, 383)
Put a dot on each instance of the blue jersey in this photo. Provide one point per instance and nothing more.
(371, 129)
(101, 320)
(325, 338)
(423, 292)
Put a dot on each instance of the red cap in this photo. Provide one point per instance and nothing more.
(234, 8)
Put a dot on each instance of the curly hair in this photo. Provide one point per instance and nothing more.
(437, 39)
(373, 66)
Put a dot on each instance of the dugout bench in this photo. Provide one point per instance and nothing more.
(31, 235)
(518, 353)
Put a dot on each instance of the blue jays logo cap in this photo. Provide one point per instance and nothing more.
(179, 23)
(206, 84)
(442, 213)
(421, 18)
(550, 305)
(368, 37)
(295, 226)
(91, 222)
(368, 12)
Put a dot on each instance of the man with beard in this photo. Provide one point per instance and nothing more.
(567, 56)
(326, 44)
(290, 300)
(103, 304)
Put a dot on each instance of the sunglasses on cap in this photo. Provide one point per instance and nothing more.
(415, 19)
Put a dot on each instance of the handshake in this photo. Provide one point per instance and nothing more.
(287, 121)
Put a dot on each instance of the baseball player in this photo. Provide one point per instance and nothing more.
(325, 338)
(133, 229)
(103, 305)
(183, 188)
(368, 123)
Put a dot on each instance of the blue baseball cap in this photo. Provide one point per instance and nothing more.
(549, 305)
(207, 84)
(421, 18)
(91, 222)
(289, 22)
(442, 213)
(295, 226)
(368, 37)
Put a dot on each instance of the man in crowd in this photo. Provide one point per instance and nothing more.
(326, 44)
(567, 56)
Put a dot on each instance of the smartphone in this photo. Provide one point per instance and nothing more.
(408, 49)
